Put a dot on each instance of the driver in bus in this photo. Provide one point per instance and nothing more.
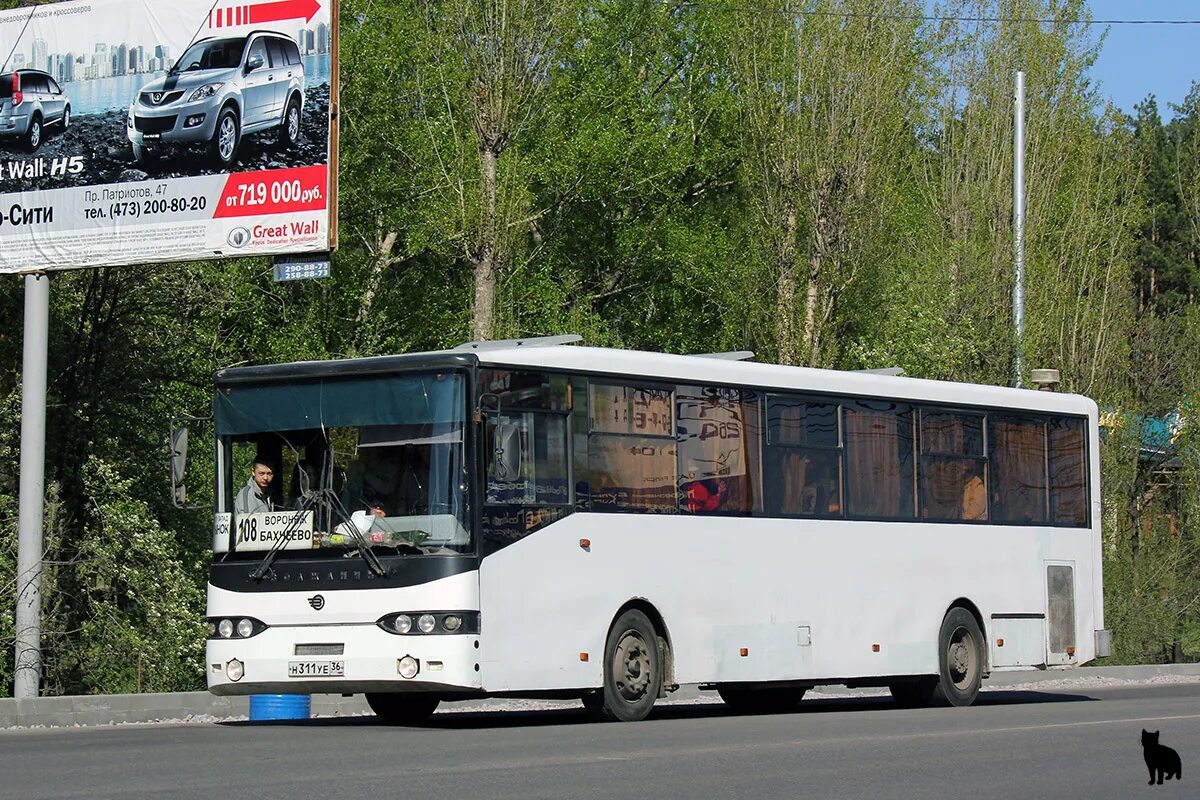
(255, 496)
(372, 480)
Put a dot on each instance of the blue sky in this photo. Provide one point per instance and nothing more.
(1138, 60)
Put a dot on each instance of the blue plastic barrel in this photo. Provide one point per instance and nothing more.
(280, 706)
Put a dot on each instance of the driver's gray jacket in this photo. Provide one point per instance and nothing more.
(250, 501)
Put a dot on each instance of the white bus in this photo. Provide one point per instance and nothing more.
(537, 519)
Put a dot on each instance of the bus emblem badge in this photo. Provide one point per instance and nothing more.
(317, 602)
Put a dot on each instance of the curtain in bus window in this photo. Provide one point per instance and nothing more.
(717, 433)
(953, 489)
(1068, 471)
(879, 460)
(951, 434)
(632, 473)
(804, 482)
(1017, 457)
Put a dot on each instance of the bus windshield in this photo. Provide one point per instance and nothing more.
(346, 464)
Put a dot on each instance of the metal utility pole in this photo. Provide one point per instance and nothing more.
(28, 653)
(1019, 220)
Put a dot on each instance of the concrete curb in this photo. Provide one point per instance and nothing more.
(83, 710)
(1140, 672)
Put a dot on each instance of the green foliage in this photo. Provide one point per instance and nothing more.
(142, 609)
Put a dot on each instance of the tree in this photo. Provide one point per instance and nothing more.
(488, 65)
(828, 92)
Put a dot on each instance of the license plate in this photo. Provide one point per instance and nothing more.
(316, 669)
(152, 136)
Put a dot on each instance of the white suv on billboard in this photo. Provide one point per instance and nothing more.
(220, 90)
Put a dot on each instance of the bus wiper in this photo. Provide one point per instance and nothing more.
(264, 565)
(356, 536)
(310, 500)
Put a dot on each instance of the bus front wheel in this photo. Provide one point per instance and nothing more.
(633, 671)
(402, 708)
(960, 659)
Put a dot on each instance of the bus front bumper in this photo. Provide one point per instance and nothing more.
(306, 660)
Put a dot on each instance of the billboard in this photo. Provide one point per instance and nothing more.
(135, 131)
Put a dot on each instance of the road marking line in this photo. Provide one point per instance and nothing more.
(1015, 729)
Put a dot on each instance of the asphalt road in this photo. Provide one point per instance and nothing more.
(1013, 744)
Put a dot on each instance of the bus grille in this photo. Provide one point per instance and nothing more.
(319, 649)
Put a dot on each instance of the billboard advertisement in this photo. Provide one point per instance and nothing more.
(135, 131)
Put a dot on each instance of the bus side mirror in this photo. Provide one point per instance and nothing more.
(179, 443)
(506, 452)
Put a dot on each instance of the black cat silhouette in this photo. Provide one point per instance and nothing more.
(1160, 759)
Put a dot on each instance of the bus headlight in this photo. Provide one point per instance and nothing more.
(234, 670)
(244, 628)
(408, 667)
(421, 623)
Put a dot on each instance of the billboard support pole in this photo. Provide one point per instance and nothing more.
(1019, 223)
(28, 650)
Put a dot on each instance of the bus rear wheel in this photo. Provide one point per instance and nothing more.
(633, 671)
(402, 708)
(960, 659)
(752, 700)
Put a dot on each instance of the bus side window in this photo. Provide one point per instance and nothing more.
(879, 460)
(953, 469)
(527, 459)
(718, 434)
(803, 458)
(631, 448)
(1068, 471)
(1017, 463)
